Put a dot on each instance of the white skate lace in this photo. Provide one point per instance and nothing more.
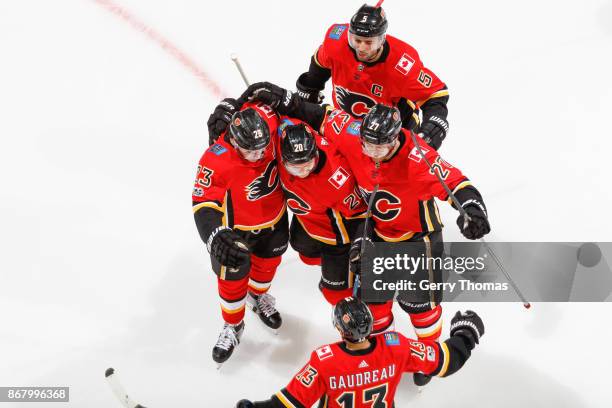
(227, 338)
(265, 303)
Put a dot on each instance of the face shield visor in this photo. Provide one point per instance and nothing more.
(250, 155)
(366, 48)
(377, 151)
(301, 170)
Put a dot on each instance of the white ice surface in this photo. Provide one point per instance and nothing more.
(101, 130)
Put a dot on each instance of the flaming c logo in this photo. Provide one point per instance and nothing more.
(358, 105)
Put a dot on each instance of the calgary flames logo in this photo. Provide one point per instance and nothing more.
(352, 102)
(297, 205)
(264, 184)
(386, 206)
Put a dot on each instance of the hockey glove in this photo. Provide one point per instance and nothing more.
(434, 131)
(280, 99)
(221, 118)
(478, 226)
(469, 326)
(306, 92)
(227, 247)
(245, 403)
(355, 255)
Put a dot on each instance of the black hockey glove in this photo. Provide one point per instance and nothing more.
(355, 255)
(307, 92)
(227, 247)
(221, 118)
(469, 326)
(280, 99)
(478, 226)
(434, 131)
(245, 403)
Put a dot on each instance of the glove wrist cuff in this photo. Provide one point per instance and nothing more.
(472, 202)
(465, 325)
(212, 236)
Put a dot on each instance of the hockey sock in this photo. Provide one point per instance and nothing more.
(334, 296)
(428, 325)
(232, 295)
(382, 314)
(310, 261)
(261, 274)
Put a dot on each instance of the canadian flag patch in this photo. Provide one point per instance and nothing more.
(405, 64)
(415, 155)
(339, 177)
(324, 352)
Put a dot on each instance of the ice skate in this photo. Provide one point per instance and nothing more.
(227, 342)
(263, 305)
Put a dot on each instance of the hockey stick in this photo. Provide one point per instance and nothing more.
(466, 219)
(380, 2)
(118, 390)
(357, 282)
(234, 58)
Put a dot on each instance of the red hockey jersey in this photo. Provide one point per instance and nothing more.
(404, 204)
(357, 86)
(323, 200)
(342, 378)
(248, 194)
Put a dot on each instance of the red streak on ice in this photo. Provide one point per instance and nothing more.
(164, 43)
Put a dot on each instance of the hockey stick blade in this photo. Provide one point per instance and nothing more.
(118, 390)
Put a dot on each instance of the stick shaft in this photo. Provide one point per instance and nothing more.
(466, 219)
(239, 67)
(357, 282)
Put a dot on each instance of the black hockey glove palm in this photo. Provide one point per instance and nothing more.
(469, 326)
(227, 247)
(434, 131)
(280, 99)
(307, 92)
(221, 118)
(478, 226)
(355, 254)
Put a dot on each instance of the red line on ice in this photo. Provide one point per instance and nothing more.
(164, 43)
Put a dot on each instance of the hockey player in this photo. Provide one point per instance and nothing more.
(368, 67)
(364, 371)
(321, 192)
(382, 153)
(240, 213)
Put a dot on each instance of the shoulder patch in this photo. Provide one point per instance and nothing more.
(404, 64)
(336, 32)
(415, 155)
(392, 339)
(217, 149)
(324, 352)
(339, 177)
(353, 128)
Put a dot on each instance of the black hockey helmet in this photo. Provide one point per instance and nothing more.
(298, 144)
(249, 130)
(381, 124)
(353, 319)
(368, 21)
